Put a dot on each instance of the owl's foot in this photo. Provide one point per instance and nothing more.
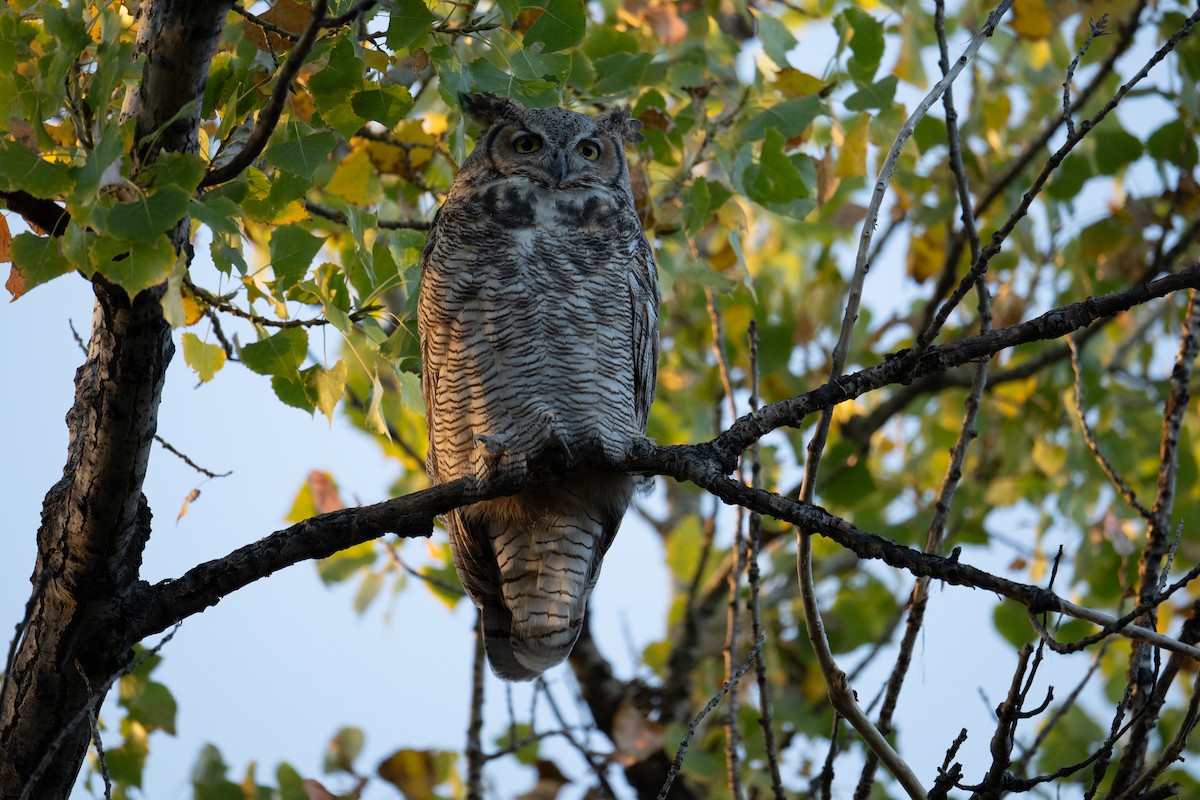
(497, 465)
(556, 438)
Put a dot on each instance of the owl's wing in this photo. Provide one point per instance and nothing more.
(429, 359)
(643, 297)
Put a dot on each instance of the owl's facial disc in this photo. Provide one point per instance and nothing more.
(552, 163)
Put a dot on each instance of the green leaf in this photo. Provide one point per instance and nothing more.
(326, 387)
(180, 170)
(280, 354)
(789, 118)
(36, 259)
(368, 590)
(386, 105)
(778, 180)
(341, 75)
(509, 10)
(1115, 147)
(409, 21)
(877, 95)
(204, 359)
(346, 746)
(133, 266)
(150, 703)
(1012, 622)
(302, 155)
(145, 220)
(1172, 143)
(21, 169)
(561, 26)
(520, 732)
(341, 565)
(620, 72)
(292, 252)
(208, 777)
(536, 93)
(374, 418)
(219, 213)
(866, 45)
(776, 39)
(1070, 741)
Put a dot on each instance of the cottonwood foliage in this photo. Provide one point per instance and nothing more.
(1060, 166)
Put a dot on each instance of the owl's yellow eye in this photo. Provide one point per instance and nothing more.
(589, 149)
(527, 143)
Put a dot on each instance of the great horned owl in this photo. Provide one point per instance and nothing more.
(538, 318)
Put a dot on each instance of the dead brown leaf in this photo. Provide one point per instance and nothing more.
(289, 15)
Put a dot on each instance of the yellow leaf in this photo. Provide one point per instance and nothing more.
(377, 60)
(193, 312)
(795, 83)
(435, 123)
(1011, 397)
(1031, 19)
(354, 180)
(852, 158)
(926, 253)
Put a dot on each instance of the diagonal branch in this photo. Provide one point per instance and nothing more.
(268, 117)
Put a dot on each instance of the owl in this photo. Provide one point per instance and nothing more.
(538, 318)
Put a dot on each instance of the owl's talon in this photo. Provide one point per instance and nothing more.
(492, 445)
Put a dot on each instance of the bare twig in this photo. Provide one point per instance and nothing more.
(334, 215)
(754, 542)
(206, 472)
(474, 752)
(980, 265)
(597, 765)
(677, 764)
(1142, 668)
(1089, 438)
(1097, 27)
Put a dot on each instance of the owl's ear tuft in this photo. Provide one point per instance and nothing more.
(622, 125)
(486, 108)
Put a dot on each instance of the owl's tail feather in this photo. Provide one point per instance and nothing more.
(516, 659)
(530, 561)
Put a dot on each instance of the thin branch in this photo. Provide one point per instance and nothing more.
(1089, 438)
(596, 764)
(1097, 27)
(206, 472)
(677, 764)
(1142, 668)
(935, 536)
(213, 301)
(980, 265)
(44, 216)
(1172, 752)
(895, 367)
(335, 215)
(474, 752)
(765, 712)
(271, 111)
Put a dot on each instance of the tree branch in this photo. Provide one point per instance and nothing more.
(268, 117)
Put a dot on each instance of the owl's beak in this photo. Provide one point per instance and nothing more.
(560, 161)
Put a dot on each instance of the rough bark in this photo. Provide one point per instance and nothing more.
(95, 520)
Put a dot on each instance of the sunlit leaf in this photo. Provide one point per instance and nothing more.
(560, 26)
(204, 359)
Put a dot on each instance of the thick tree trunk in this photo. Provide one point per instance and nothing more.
(95, 521)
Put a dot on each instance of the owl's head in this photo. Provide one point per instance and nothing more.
(553, 147)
